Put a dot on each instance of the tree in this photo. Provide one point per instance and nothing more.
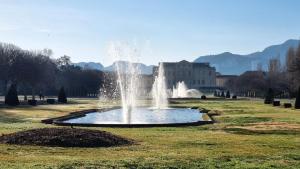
(8, 54)
(11, 97)
(227, 94)
(64, 61)
(250, 81)
(62, 97)
(293, 68)
(215, 93)
(297, 103)
(269, 96)
(223, 94)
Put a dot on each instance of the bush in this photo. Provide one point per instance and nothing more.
(50, 101)
(234, 97)
(203, 97)
(269, 96)
(11, 97)
(228, 94)
(32, 102)
(62, 98)
(297, 103)
(276, 103)
(287, 105)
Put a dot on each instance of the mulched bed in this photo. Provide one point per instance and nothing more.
(65, 137)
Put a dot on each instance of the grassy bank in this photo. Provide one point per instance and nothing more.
(248, 134)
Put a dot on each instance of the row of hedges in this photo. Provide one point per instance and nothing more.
(11, 98)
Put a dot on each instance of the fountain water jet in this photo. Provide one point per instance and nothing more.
(127, 81)
(182, 91)
(159, 90)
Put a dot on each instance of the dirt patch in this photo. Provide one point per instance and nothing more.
(272, 126)
(65, 137)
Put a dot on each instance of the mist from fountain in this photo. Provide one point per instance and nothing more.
(182, 91)
(159, 90)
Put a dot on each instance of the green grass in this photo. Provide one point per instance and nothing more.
(248, 134)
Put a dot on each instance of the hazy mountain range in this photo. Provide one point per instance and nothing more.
(225, 63)
(229, 63)
(123, 66)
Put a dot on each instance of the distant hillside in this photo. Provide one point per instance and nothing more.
(229, 63)
(123, 65)
(90, 65)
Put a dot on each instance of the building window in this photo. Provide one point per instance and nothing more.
(198, 81)
(203, 82)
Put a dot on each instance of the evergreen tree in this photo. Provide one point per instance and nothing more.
(227, 94)
(223, 94)
(297, 103)
(62, 98)
(216, 93)
(11, 97)
(269, 96)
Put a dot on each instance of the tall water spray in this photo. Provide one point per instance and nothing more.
(180, 90)
(159, 89)
(127, 74)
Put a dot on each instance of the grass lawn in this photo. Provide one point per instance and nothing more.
(248, 134)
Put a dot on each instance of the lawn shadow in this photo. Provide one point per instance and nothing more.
(261, 132)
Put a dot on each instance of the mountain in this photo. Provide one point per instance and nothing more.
(123, 65)
(229, 63)
(90, 65)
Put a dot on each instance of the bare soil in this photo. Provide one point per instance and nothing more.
(65, 137)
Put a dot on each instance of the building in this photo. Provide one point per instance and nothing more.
(221, 80)
(199, 76)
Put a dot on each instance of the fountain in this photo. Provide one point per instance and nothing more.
(128, 86)
(182, 91)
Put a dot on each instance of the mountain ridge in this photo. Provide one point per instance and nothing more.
(226, 63)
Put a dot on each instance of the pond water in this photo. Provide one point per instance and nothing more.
(141, 115)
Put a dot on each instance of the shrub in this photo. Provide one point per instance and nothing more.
(11, 97)
(50, 101)
(32, 102)
(297, 103)
(287, 105)
(222, 94)
(203, 97)
(62, 98)
(269, 96)
(227, 94)
(234, 97)
(276, 103)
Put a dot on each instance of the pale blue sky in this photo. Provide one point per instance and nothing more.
(164, 30)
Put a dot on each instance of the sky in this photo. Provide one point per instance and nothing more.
(161, 30)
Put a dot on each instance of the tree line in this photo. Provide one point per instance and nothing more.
(283, 79)
(35, 72)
